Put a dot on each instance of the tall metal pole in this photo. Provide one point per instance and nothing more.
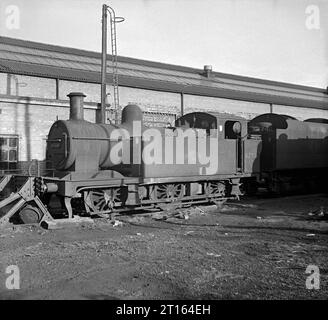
(103, 64)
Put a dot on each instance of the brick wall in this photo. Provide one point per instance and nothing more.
(19, 85)
(31, 120)
(91, 90)
(3, 83)
(244, 109)
(300, 113)
(149, 100)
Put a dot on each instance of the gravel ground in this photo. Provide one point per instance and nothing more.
(253, 249)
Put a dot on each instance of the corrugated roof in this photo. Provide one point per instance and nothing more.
(38, 59)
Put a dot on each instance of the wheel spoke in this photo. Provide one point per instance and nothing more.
(169, 191)
(104, 200)
(215, 188)
(97, 193)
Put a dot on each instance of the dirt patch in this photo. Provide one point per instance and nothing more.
(255, 249)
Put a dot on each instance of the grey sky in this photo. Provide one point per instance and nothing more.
(266, 39)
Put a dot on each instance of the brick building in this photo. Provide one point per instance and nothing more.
(35, 79)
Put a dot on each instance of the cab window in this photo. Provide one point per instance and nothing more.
(232, 129)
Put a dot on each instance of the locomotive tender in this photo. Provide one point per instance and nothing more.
(294, 153)
(100, 169)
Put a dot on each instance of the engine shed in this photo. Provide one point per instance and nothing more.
(35, 79)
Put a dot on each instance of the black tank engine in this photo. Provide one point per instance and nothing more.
(99, 169)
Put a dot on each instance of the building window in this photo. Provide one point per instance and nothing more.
(8, 152)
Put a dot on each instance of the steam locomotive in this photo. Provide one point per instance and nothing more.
(104, 168)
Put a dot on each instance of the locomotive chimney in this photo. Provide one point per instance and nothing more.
(76, 105)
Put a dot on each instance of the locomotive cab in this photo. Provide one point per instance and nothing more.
(235, 152)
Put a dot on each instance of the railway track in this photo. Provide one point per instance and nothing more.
(174, 209)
